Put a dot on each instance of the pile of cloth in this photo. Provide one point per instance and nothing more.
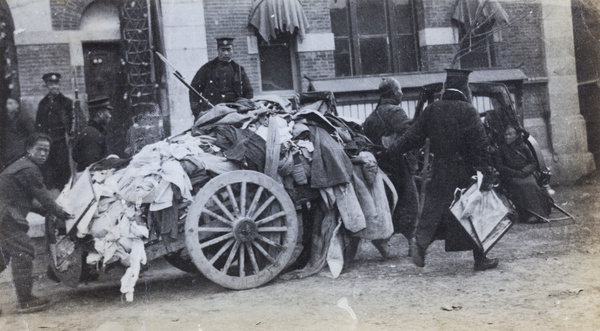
(145, 199)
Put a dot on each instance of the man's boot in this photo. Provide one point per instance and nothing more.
(482, 263)
(33, 304)
(383, 247)
(22, 278)
(417, 253)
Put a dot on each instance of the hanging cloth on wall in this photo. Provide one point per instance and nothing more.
(273, 17)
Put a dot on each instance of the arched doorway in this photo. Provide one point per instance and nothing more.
(104, 69)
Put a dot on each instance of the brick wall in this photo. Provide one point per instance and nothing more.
(437, 57)
(317, 64)
(434, 13)
(66, 14)
(230, 18)
(36, 60)
(522, 44)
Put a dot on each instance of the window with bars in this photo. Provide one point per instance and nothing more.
(373, 36)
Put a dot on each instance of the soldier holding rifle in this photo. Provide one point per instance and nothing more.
(219, 80)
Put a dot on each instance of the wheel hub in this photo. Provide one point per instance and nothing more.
(245, 230)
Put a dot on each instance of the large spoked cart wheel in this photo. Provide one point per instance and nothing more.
(241, 229)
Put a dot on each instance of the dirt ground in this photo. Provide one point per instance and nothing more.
(548, 279)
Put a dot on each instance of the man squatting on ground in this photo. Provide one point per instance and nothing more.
(219, 80)
(20, 184)
(460, 146)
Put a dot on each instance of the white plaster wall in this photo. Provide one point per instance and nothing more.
(185, 47)
(31, 15)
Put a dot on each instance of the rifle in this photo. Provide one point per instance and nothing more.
(75, 124)
(179, 76)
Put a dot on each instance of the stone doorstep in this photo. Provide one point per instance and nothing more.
(36, 225)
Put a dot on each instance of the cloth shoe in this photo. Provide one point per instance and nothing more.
(383, 247)
(33, 304)
(417, 254)
(51, 274)
(485, 264)
(534, 220)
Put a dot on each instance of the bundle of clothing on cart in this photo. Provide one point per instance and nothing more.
(144, 199)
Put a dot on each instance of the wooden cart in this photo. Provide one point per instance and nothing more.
(240, 231)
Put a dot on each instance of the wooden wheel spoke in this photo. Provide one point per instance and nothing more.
(262, 250)
(233, 200)
(213, 229)
(221, 251)
(270, 218)
(262, 207)
(216, 240)
(252, 257)
(242, 261)
(230, 257)
(241, 219)
(243, 199)
(223, 207)
(217, 216)
(254, 203)
(269, 241)
(273, 229)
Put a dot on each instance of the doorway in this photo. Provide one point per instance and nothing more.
(104, 76)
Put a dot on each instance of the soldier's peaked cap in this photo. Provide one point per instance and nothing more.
(99, 103)
(51, 77)
(224, 41)
(457, 78)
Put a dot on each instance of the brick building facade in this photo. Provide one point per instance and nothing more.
(532, 44)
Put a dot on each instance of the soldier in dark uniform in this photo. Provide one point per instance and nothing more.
(20, 184)
(90, 144)
(460, 146)
(220, 80)
(389, 118)
(54, 118)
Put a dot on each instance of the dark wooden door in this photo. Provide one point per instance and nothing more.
(104, 76)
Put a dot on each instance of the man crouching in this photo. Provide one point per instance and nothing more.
(20, 184)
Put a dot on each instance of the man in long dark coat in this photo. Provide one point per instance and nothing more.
(54, 118)
(16, 128)
(389, 118)
(460, 146)
(90, 145)
(220, 80)
(20, 184)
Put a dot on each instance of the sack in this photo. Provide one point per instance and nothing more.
(485, 215)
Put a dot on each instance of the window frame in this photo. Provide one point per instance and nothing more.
(290, 39)
(392, 47)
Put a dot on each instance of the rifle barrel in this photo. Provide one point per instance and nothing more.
(179, 76)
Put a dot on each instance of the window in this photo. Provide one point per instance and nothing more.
(373, 36)
(276, 64)
(477, 49)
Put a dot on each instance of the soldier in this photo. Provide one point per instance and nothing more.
(54, 118)
(20, 184)
(90, 145)
(220, 80)
(460, 146)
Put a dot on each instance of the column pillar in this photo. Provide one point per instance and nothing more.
(569, 136)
